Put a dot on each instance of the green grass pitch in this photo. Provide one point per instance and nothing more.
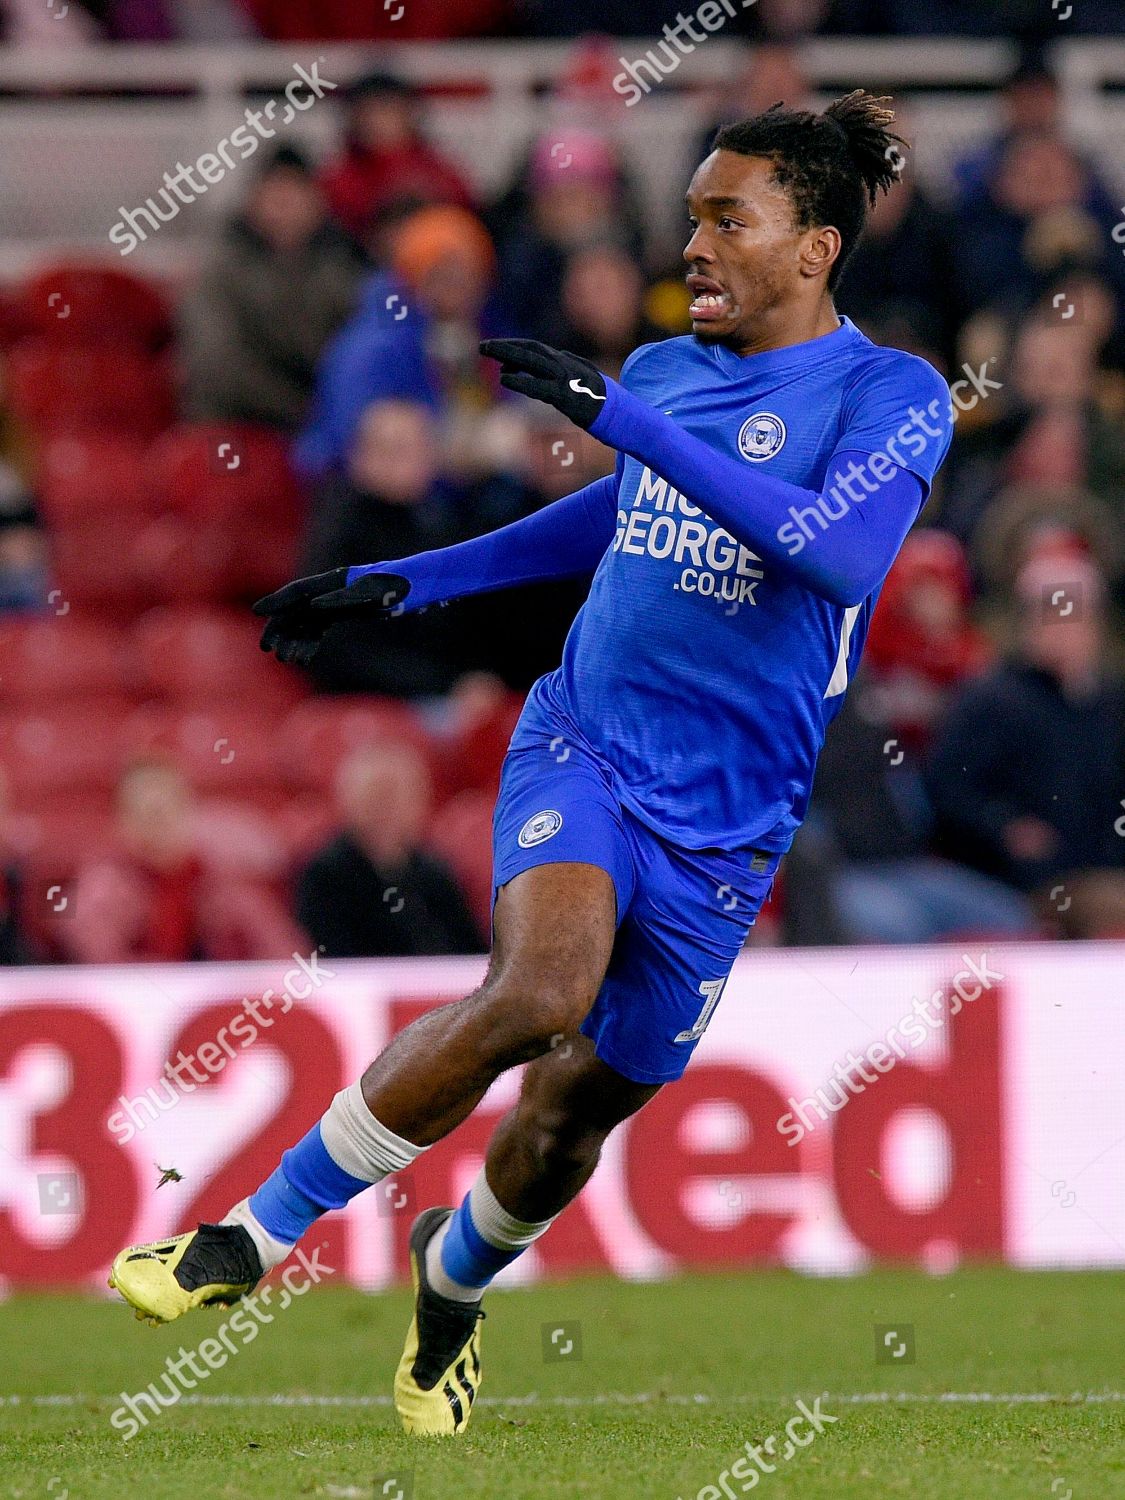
(712, 1362)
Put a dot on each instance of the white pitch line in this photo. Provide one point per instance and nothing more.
(615, 1398)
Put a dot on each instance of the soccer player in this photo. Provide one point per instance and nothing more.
(769, 466)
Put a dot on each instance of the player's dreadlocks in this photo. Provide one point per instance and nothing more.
(832, 165)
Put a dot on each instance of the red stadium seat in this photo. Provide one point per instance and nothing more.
(61, 832)
(232, 485)
(84, 476)
(63, 829)
(224, 750)
(202, 654)
(461, 835)
(225, 473)
(49, 658)
(63, 749)
(181, 563)
(72, 303)
(270, 562)
(319, 733)
(110, 563)
(88, 388)
(15, 324)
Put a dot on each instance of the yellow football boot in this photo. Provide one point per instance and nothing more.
(439, 1374)
(162, 1281)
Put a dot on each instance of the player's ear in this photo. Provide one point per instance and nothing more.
(818, 250)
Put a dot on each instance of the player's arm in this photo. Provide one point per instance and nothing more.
(563, 540)
(841, 563)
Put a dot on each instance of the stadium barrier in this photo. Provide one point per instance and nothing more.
(845, 1106)
(59, 118)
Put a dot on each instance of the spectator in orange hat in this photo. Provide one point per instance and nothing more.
(414, 336)
(446, 257)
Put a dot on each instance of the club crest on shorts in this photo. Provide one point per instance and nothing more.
(537, 830)
(761, 436)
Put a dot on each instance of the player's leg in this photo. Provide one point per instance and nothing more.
(682, 930)
(539, 1158)
(554, 930)
(546, 1148)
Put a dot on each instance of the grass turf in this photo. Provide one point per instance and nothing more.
(750, 1345)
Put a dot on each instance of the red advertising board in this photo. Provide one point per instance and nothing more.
(845, 1106)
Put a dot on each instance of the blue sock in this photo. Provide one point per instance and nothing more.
(308, 1183)
(346, 1152)
(466, 1258)
(478, 1241)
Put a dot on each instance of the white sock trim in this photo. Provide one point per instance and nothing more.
(271, 1252)
(358, 1143)
(495, 1224)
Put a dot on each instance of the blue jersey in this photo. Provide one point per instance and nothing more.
(704, 673)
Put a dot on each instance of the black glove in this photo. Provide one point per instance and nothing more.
(301, 612)
(574, 386)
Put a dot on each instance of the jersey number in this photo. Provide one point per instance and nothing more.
(710, 989)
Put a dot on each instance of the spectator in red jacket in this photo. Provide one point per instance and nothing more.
(386, 157)
(158, 898)
(922, 643)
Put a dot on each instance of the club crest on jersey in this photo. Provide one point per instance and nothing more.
(761, 436)
(537, 830)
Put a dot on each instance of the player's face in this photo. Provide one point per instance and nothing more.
(745, 253)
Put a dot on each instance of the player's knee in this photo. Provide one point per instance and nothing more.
(527, 1017)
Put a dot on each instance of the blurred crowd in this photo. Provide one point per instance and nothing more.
(29, 22)
(218, 805)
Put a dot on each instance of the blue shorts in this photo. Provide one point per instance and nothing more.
(682, 914)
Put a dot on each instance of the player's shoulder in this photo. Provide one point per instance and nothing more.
(873, 368)
(652, 362)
